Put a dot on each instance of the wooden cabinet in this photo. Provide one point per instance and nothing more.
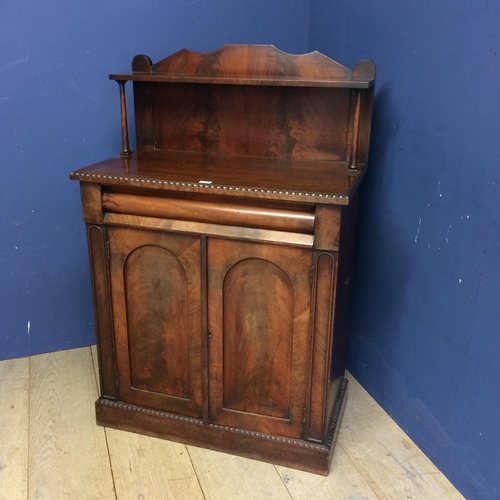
(221, 251)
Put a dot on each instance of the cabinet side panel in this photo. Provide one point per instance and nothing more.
(343, 298)
(102, 308)
(365, 125)
(156, 302)
(258, 333)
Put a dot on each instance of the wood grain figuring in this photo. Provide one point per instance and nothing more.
(236, 269)
(324, 297)
(143, 105)
(365, 126)
(147, 468)
(246, 121)
(99, 272)
(14, 422)
(327, 227)
(156, 296)
(68, 457)
(252, 480)
(326, 82)
(300, 181)
(252, 121)
(157, 315)
(91, 202)
(202, 211)
(318, 122)
(257, 344)
(344, 482)
(204, 323)
(231, 232)
(353, 162)
(345, 268)
(250, 60)
(250, 65)
(180, 124)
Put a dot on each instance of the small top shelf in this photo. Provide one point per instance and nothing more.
(250, 65)
(263, 124)
(255, 80)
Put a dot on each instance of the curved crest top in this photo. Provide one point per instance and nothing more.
(247, 61)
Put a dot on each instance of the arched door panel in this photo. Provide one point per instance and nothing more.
(156, 291)
(259, 299)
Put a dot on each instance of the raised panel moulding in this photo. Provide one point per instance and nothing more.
(258, 333)
(156, 296)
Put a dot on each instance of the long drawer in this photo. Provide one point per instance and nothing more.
(259, 217)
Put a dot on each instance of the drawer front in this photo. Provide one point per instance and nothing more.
(262, 217)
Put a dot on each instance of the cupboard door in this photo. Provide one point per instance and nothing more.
(259, 308)
(156, 293)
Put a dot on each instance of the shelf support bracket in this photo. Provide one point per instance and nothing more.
(125, 152)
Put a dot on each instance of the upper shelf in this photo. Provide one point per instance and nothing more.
(251, 65)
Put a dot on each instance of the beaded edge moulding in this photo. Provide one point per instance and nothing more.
(204, 186)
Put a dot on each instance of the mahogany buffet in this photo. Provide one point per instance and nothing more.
(221, 250)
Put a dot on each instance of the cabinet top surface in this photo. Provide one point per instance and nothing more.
(328, 182)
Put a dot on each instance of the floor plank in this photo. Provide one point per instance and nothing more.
(227, 477)
(95, 366)
(146, 468)
(68, 456)
(387, 458)
(343, 482)
(14, 401)
(360, 405)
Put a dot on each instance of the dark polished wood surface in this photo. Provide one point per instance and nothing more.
(251, 65)
(270, 178)
(156, 293)
(259, 303)
(281, 219)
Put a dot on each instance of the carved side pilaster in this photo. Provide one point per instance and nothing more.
(101, 292)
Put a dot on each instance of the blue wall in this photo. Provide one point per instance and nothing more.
(59, 112)
(426, 321)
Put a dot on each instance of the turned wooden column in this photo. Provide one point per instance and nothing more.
(123, 110)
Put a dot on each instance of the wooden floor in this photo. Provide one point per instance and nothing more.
(51, 449)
